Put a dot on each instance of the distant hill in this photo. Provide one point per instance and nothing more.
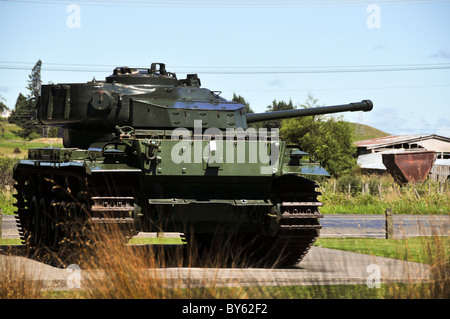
(365, 132)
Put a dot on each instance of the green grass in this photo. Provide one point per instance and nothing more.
(133, 241)
(9, 141)
(10, 241)
(426, 198)
(7, 147)
(155, 241)
(398, 207)
(7, 201)
(320, 292)
(366, 132)
(416, 249)
(7, 129)
(261, 292)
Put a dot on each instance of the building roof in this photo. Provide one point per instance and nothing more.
(398, 139)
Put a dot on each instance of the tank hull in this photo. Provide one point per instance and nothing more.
(134, 192)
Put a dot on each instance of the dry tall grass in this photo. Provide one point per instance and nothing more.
(14, 282)
(114, 269)
(438, 285)
(111, 269)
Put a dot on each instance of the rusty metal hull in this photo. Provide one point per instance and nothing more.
(409, 166)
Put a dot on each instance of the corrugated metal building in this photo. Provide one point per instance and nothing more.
(369, 152)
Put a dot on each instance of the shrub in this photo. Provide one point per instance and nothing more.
(6, 167)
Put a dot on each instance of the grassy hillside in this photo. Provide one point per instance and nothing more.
(13, 146)
(365, 132)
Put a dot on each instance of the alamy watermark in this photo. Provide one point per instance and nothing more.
(234, 145)
(374, 19)
(374, 279)
(74, 279)
(74, 19)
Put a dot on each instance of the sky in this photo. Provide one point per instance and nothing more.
(395, 53)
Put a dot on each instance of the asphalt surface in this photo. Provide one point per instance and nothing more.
(350, 225)
(339, 226)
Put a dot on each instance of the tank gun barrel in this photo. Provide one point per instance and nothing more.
(365, 105)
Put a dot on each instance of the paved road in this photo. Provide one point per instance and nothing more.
(340, 226)
(374, 225)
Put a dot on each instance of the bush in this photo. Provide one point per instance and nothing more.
(6, 168)
(355, 183)
(421, 198)
(34, 135)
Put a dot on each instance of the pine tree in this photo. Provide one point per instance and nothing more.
(34, 83)
(241, 100)
(24, 113)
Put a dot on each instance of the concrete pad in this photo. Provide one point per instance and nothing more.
(321, 266)
(24, 268)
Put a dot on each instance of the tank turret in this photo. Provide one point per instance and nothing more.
(150, 99)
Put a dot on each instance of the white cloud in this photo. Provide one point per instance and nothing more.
(442, 53)
(379, 47)
(277, 83)
(392, 121)
(443, 127)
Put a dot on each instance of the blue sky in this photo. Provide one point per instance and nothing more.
(263, 50)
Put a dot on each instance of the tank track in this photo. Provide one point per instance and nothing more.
(56, 213)
(298, 227)
(298, 230)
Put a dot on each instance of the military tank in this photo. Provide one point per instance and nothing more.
(145, 151)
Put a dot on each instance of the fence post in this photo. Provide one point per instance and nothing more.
(389, 223)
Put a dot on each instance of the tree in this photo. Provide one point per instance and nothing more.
(277, 106)
(23, 116)
(24, 113)
(241, 100)
(327, 138)
(248, 109)
(3, 106)
(34, 83)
